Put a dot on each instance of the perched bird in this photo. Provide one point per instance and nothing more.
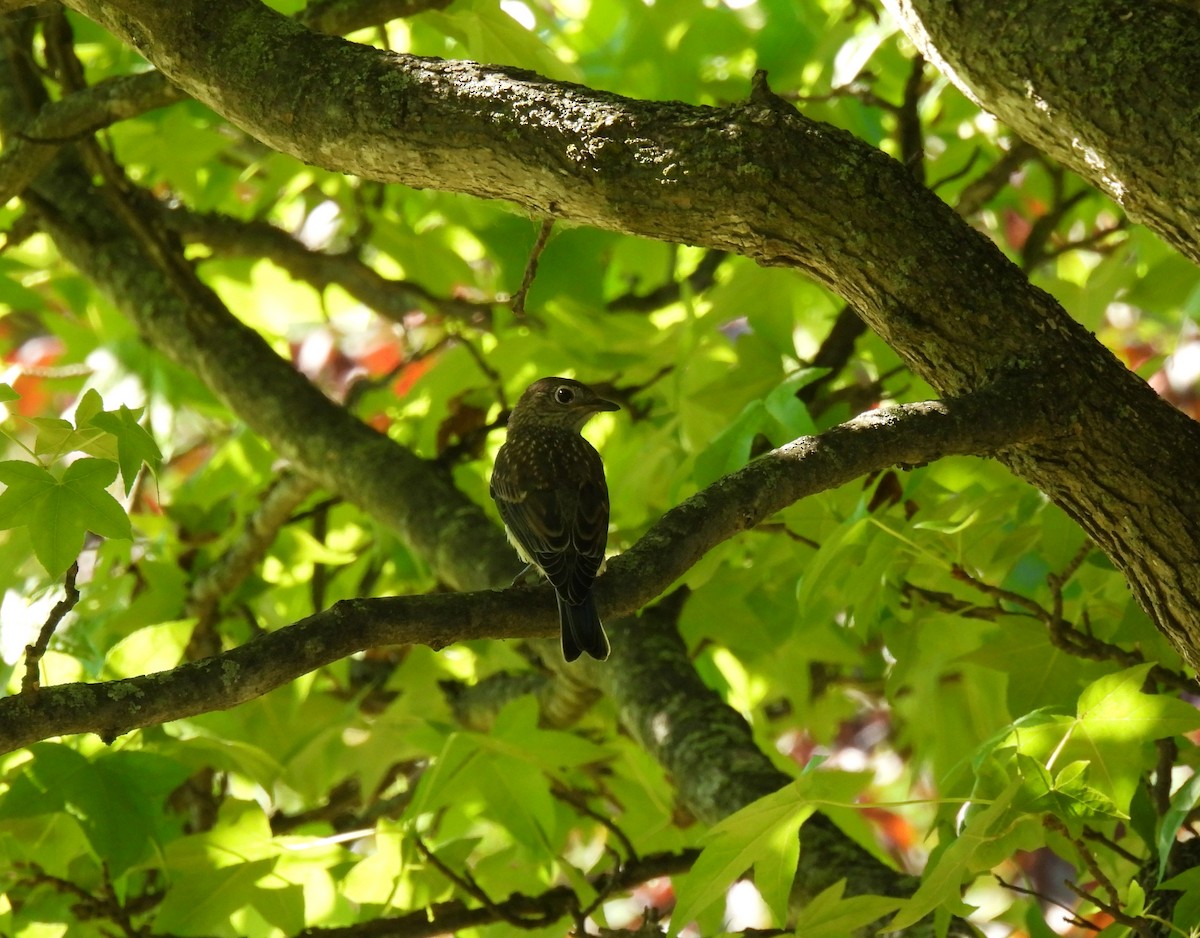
(548, 483)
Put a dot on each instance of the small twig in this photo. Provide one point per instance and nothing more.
(1050, 900)
(699, 280)
(909, 134)
(835, 352)
(393, 300)
(1059, 580)
(1070, 638)
(958, 173)
(978, 193)
(116, 908)
(951, 603)
(466, 882)
(319, 581)
(1141, 926)
(855, 88)
(535, 255)
(1089, 858)
(1112, 845)
(1160, 791)
(39, 876)
(779, 526)
(493, 376)
(963, 575)
(1091, 241)
(34, 653)
(54, 372)
(579, 803)
(341, 800)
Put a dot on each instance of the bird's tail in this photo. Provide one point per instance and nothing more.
(581, 630)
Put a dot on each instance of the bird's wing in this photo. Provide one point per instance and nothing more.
(563, 530)
(589, 535)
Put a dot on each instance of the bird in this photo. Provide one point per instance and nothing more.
(548, 484)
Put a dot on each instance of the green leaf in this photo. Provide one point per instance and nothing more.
(117, 797)
(941, 886)
(135, 445)
(89, 405)
(60, 512)
(84, 484)
(763, 835)
(489, 34)
(520, 798)
(1135, 899)
(1182, 803)
(829, 915)
(1116, 723)
(57, 437)
(230, 755)
(282, 906)
(517, 733)
(8, 394)
(125, 805)
(450, 776)
(1075, 798)
(202, 902)
(26, 485)
(156, 647)
(789, 411)
(730, 449)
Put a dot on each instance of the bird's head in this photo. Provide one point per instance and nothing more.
(557, 402)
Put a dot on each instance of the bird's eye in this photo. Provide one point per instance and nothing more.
(564, 394)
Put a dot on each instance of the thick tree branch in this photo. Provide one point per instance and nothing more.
(83, 112)
(1106, 87)
(753, 179)
(906, 435)
(76, 116)
(184, 320)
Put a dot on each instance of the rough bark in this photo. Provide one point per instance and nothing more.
(1109, 88)
(913, 433)
(758, 179)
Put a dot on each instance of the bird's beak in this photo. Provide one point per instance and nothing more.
(601, 404)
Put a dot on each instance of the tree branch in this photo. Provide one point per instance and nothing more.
(758, 180)
(453, 917)
(909, 434)
(76, 116)
(82, 113)
(1122, 116)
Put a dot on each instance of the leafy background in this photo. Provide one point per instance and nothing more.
(893, 644)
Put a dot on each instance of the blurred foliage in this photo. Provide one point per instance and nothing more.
(887, 635)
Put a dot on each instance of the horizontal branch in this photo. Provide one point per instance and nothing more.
(905, 435)
(758, 179)
(558, 902)
(82, 113)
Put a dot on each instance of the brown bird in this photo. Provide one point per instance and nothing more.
(548, 483)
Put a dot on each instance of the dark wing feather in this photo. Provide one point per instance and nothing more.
(558, 515)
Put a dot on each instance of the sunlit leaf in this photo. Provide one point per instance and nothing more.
(135, 446)
(940, 887)
(831, 915)
(763, 835)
